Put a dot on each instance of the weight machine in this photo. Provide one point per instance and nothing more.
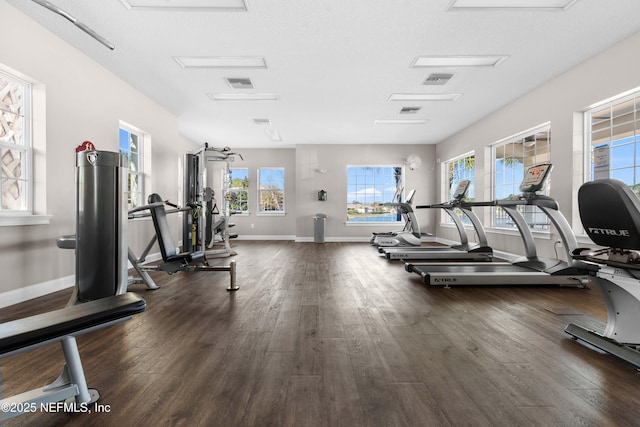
(173, 261)
(199, 229)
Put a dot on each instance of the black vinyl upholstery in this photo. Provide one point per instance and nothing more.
(610, 213)
(168, 247)
(71, 320)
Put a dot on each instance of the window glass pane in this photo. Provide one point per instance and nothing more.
(12, 163)
(239, 189)
(271, 189)
(124, 142)
(12, 194)
(459, 170)
(613, 145)
(130, 144)
(624, 156)
(510, 159)
(15, 145)
(12, 111)
(369, 188)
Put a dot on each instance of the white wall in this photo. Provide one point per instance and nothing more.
(559, 101)
(84, 101)
(254, 226)
(335, 159)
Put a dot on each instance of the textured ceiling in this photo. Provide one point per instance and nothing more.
(334, 63)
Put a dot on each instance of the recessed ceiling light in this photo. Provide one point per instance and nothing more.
(273, 134)
(243, 96)
(512, 4)
(222, 5)
(459, 61)
(220, 61)
(237, 83)
(399, 122)
(424, 96)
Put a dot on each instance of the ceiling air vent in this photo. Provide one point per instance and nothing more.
(437, 79)
(239, 83)
(409, 110)
(262, 121)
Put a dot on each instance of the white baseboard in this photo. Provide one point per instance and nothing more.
(333, 239)
(16, 296)
(264, 237)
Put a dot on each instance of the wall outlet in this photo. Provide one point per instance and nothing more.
(252, 225)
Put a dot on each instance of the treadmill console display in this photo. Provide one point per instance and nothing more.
(535, 178)
(462, 190)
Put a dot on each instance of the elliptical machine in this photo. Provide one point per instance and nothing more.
(610, 214)
(409, 235)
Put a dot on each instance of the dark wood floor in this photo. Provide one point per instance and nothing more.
(331, 334)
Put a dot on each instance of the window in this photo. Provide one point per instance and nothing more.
(15, 145)
(458, 170)
(271, 190)
(613, 140)
(132, 146)
(369, 188)
(239, 190)
(510, 159)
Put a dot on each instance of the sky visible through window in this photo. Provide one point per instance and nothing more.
(368, 189)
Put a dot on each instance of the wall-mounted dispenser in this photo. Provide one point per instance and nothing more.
(322, 196)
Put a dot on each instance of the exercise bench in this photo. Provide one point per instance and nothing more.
(63, 325)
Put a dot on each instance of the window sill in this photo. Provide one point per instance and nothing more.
(374, 223)
(271, 214)
(514, 232)
(18, 220)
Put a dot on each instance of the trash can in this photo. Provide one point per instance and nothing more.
(319, 222)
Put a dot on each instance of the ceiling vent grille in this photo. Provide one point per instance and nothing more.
(237, 83)
(438, 79)
(409, 110)
(262, 121)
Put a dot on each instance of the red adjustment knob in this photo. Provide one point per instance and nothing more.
(85, 146)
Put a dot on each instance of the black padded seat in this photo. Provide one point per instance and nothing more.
(610, 213)
(174, 261)
(168, 248)
(72, 320)
(185, 257)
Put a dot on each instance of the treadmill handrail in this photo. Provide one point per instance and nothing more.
(464, 206)
(445, 205)
(403, 207)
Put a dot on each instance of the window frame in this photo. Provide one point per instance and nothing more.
(26, 148)
(606, 159)
(447, 187)
(533, 216)
(144, 163)
(260, 191)
(399, 186)
(239, 190)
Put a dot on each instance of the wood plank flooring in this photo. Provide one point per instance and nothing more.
(333, 335)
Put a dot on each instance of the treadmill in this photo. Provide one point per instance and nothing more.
(530, 270)
(409, 236)
(461, 252)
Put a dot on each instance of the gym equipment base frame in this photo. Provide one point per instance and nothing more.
(610, 215)
(173, 261)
